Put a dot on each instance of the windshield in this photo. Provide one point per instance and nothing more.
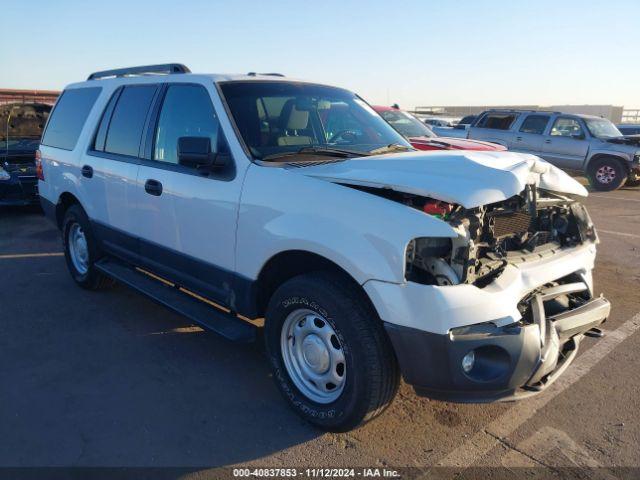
(406, 124)
(602, 128)
(276, 118)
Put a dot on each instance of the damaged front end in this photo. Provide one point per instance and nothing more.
(506, 358)
(532, 225)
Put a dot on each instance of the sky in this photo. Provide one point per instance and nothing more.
(446, 52)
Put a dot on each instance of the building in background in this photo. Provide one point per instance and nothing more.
(47, 97)
(612, 112)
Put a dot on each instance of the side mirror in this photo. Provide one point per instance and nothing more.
(196, 152)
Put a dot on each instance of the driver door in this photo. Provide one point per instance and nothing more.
(186, 218)
(566, 145)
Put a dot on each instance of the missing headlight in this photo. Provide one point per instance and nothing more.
(427, 262)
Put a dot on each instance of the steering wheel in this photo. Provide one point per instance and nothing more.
(348, 135)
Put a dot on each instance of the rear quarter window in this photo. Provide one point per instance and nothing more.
(497, 121)
(68, 117)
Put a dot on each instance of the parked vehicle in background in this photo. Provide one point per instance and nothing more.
(233, 198)
(21, 126)
(628, 129)
(585, 143)
(423, 138)
(439, 122)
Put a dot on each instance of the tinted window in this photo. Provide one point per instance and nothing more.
(534, 124)
(101, 135)
(127, 122)
(186, 112)
(68, 117)
(566, 127)
(497, 121)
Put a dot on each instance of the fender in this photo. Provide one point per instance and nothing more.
(364, 234)
(593, 154)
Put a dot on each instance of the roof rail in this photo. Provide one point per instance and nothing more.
(166, 68)
(253, 74)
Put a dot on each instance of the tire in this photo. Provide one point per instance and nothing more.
(336, 312)
(606, 174)
(76, 222)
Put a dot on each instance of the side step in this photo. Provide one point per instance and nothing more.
(207, 316)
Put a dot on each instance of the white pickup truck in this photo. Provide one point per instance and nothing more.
(237, 198)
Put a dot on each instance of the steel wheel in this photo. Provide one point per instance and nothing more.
(313, 356)
(606, 174)
(78, 249)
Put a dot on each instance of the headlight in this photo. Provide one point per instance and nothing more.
(636, 158)
(4, 175)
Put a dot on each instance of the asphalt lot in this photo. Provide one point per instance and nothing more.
(112, 379)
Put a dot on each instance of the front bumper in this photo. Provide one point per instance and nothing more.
(511, 361)
(19, 190)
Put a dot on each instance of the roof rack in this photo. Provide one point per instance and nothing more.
(166, 68)
(520, 110)
(253, 74)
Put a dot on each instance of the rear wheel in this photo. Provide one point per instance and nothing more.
(606, 174)
(330, 355)
(81, 250)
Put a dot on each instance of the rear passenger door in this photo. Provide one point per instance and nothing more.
(186, 218)
(494, 127)
(566, 145)
(113, 165)
(529, 137)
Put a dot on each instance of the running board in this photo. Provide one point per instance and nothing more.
(205, 315)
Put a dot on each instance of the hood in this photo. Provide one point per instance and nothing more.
(468, 178)
(625, 140)
(456, 143)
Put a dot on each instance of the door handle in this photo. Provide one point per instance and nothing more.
(518, 139)
(153, 187)
(87, 171)
(547, 141)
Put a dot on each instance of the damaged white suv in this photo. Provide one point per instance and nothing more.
(237, 198)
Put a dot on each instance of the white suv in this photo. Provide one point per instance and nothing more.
(236, 198)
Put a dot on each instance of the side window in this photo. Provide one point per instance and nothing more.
(127, 121)
(69, 116)
(497, 121)
(187, 111)
(101, 134)
(566, 127)
(535, 124)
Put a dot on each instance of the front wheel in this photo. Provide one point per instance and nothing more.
(330, 356)
(606, 174)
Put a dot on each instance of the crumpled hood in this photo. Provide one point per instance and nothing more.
(470, 179)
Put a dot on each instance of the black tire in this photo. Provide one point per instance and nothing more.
(91, 279)
(371, 376)
(617, 174)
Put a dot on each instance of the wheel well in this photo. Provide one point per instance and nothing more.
(64, 202)
(289, 264)
(598, 156)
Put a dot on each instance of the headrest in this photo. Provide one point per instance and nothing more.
(298, 119)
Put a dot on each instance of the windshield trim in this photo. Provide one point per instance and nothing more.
(245, 147)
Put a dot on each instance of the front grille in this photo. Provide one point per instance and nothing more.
(509, 223)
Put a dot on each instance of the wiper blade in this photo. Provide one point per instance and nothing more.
(392, 147)
(327, 151)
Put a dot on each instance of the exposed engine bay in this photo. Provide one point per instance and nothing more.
(533, 224)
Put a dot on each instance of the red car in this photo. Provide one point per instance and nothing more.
(423, 138)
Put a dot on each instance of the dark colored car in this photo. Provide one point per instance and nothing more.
(21, 126)
(423, 138)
